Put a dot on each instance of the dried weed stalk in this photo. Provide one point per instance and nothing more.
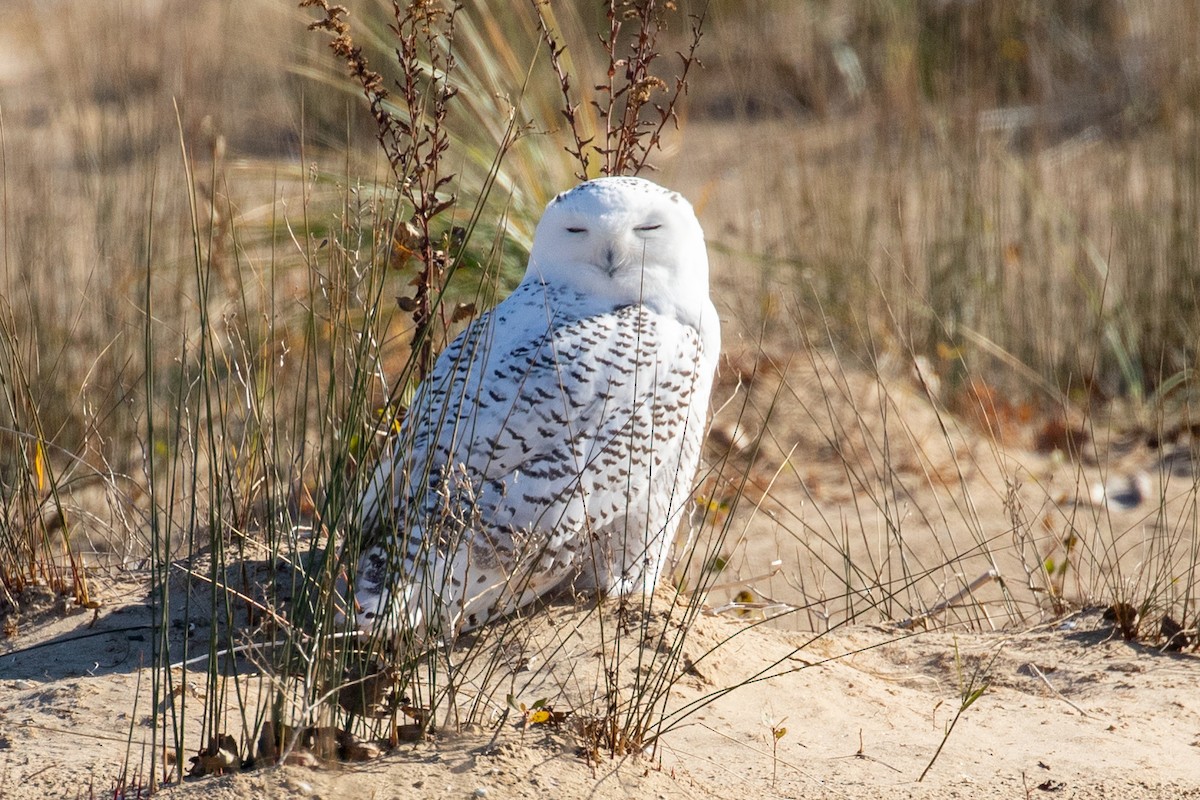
(632, 120)
(411, 128)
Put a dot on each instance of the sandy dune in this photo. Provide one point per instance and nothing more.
(1070, 710)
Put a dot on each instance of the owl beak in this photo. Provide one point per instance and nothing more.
(610, 262)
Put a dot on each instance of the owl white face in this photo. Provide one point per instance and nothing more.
(624, 240)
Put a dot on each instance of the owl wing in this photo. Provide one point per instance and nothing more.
(548, 421)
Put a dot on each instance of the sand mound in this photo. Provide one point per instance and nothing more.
(1067, 708)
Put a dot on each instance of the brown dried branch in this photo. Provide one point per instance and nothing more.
(371, 82)
(414, 138)
(630, 133)
(667, 113)
(570, 110)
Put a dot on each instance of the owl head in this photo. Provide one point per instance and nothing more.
(624, 240)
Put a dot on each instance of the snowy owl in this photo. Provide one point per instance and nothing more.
(556, 440)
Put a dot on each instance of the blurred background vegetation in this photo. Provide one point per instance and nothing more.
(1014, 180)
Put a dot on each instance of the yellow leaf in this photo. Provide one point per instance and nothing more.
(947, 353)
(39, 465)
(712, 505)
(539, 716)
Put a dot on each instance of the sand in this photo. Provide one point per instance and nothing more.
(1069, 709)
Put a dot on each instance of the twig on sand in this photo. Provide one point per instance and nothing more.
(910, 622)
(1034, 668)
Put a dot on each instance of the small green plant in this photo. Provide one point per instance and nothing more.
(971, 688)
(539, 713)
